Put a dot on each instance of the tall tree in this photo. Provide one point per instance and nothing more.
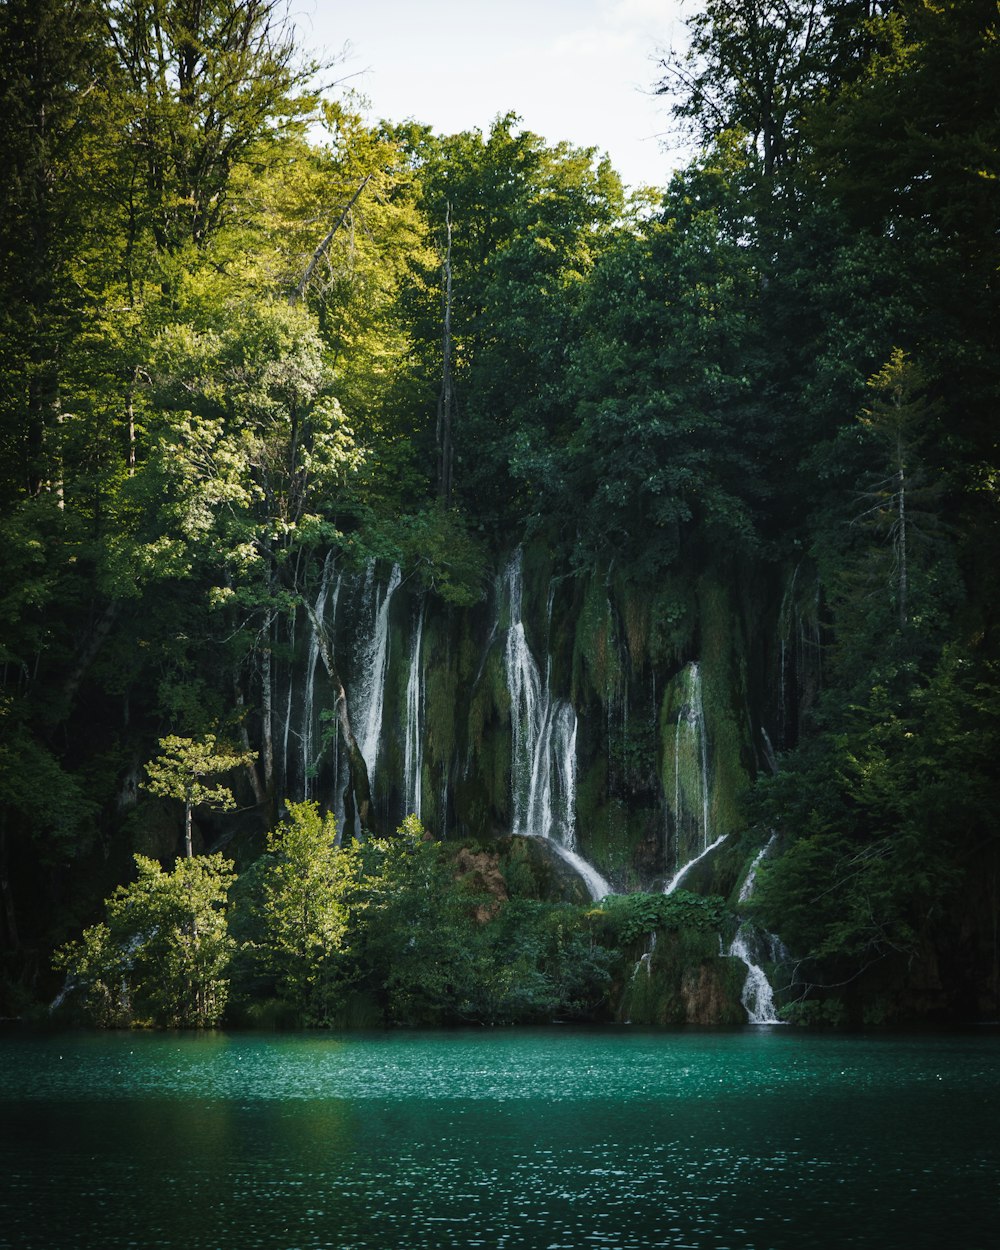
(206, 81)
(50, 102)
(182, 771)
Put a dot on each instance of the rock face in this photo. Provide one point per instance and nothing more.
(681, 979)
(481, 871)
(613, 719)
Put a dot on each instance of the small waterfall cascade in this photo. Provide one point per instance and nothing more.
(682, 872)
(67, 988)
(413, 736)
(691, 775)
(645, 960)
(757, 995)
(543, 742)
(368, 696)
(307, 736)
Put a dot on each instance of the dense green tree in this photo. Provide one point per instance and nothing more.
(309, 885)
(665, 434)
(51, 106)
(519, 226)
(249, 341)
(162, 956)
(205, 82)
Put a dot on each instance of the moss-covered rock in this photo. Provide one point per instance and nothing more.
(683, 979)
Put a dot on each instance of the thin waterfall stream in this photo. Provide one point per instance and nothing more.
(413, 737)
(307, 735)
(369, 696)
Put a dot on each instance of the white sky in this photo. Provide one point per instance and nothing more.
(580, 70)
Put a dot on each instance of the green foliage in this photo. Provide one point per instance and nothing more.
(44, 803)
(633, 915)
(220, 360)
(886, 805)
(437, 543)
(162, 956)
(307, 888)
(816, 1012)
(404, 931)
(182, 769)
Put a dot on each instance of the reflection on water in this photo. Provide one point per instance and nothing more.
(521, 1139)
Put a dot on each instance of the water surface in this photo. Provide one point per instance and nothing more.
(550, 1139)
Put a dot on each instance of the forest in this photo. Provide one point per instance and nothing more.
(397, 525)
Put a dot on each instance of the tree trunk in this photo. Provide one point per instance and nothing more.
(360, 784)
(267, 730)
(259, 791)
(320, 252)
(188, 840)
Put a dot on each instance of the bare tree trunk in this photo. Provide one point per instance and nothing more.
(259, 791)
(320, 252)
(360, 783)
(446, 400)
(267, 730)
(188, 839)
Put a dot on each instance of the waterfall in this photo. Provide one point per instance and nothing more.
(757, 995)
(413, 738)
(691, 799)
(563, 754)
(597, 886)
(543, 743)
(769, 756)
(368, 697)
(528, 713)
(681, 873)
(310, 756)
(750, 880)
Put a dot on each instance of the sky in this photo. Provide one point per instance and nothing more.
(576, 70)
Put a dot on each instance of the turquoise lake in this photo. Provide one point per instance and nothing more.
(548, 1139)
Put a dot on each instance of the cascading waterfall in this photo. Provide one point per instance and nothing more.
(757, 995)
(682, 872)
(543, 744)
(309, 756)
(692, 783)
(527, 713)
(368, 696)
(690, 739)
(563, 754)
(413, 738)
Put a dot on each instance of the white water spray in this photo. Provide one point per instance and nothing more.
(413, 738)
(369, 694)
(309, 755)
(681, 873)
(691, 785)
(757, 995)
(543, 744)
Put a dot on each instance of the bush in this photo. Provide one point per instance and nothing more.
(162, 956)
